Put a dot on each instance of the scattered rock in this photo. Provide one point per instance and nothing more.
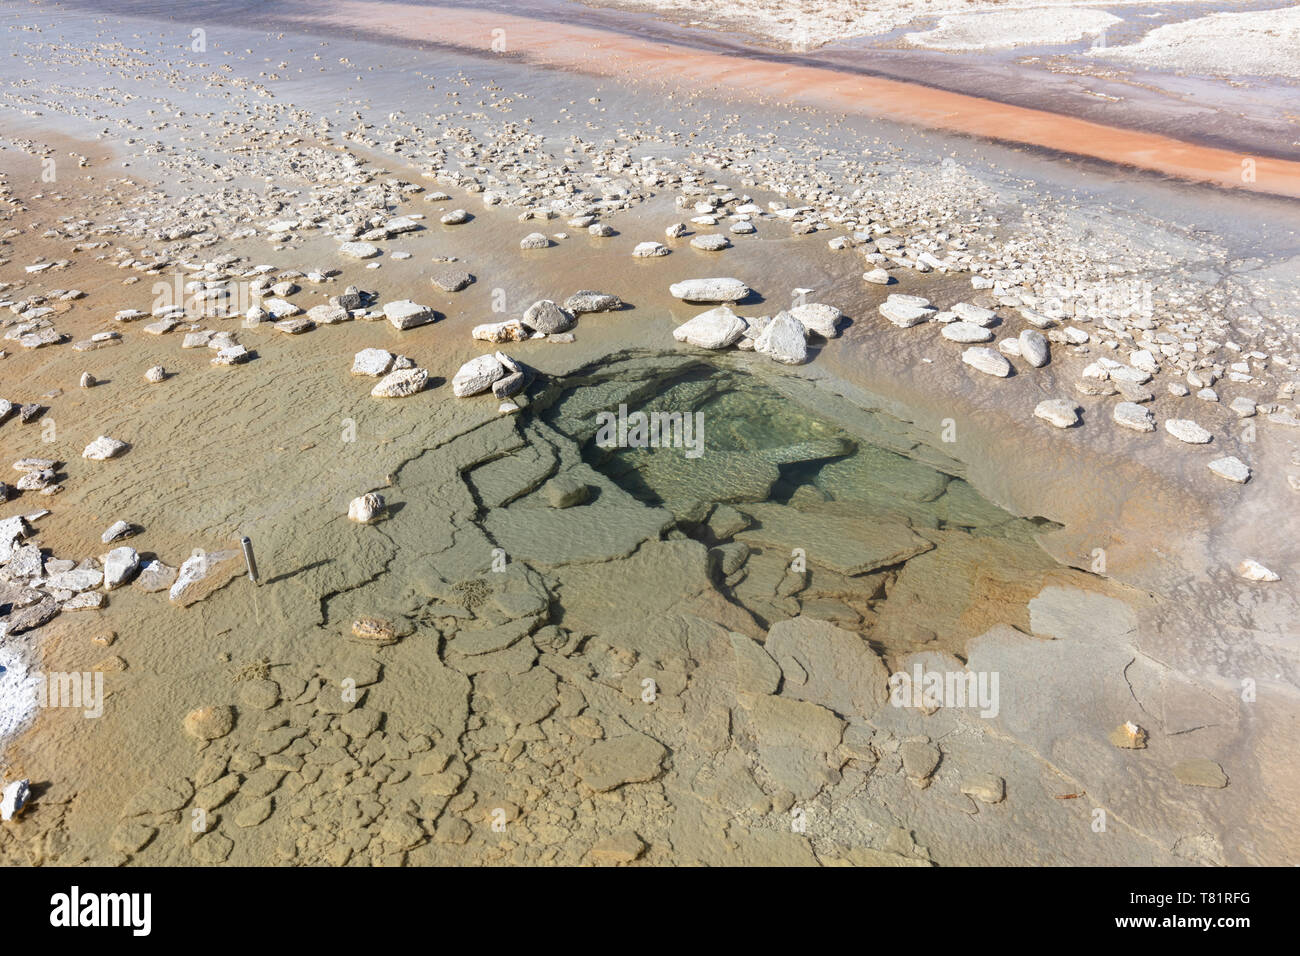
(366, 508)
(620, 848)
(119, 565)
(1186, 430)
(511, 330)
(202, 573)
(210, 723)
(1231, 468)
(1134, 416)
(920, 758)
(709, 290)
(632, 758)
(906, 311)
(1129, 736)
(819, 318)
(476, 375)
(1060, 412)
(1200, 772)
(546, 317)
(104, 448)
(715, 329)
(400, 384)
(359, 250)
(372, 362)
(1252, 570)
(405, 314)
(589, 301)
(987, 361)
(712, 242)
(13, 798)
(374, 631)
(1034, 348)
(985, 787)
(155, 576)
(966, 333)
(118, 529)
(565, 491)
(784, 340)
(451, 280)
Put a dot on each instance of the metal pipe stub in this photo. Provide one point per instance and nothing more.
(247, 544)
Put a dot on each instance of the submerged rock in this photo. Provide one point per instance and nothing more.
(985, 787)
(835, 667)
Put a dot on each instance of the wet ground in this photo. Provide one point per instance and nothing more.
(830, 536)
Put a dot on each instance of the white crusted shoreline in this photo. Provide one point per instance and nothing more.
(1254, 43)
(1011, 28)
(811, 23)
